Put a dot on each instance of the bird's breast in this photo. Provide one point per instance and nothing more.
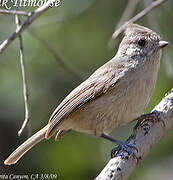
(118, 106)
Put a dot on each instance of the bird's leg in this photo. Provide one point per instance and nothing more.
(124, 146)
(152, 117)
(61, 133)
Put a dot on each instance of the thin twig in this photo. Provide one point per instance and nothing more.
(127, 14)
(63, 64)
(143, 138)
(37, 13)
(25, 86)
(14, 12)
(137, 17)
(151, 17)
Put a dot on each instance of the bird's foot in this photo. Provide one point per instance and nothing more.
(126, 147)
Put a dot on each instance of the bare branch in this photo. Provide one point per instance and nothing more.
(37, 13)
(136, 18)
(147, 134)
(151, 17)
(128, 12)
(14, 12)
(25, 86)
(64, 65)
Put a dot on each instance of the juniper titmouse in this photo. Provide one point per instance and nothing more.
(112, 96)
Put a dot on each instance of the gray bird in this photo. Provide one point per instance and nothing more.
(112, 96)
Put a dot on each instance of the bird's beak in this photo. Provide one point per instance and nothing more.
(162, 44)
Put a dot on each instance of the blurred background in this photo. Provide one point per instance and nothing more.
(79, 32)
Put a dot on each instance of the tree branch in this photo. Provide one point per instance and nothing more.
(14, 12)
(35, 14)
(147, 134)
(127, 13)
(25, 86)
(136, 18)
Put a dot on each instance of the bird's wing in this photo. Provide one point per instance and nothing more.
(96, 85)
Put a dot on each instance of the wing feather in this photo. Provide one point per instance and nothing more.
(96, 85)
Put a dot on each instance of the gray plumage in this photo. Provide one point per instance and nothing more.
(112, 96)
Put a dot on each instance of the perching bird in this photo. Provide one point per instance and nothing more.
(112, 96)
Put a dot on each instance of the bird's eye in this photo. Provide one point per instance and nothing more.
(141, 42)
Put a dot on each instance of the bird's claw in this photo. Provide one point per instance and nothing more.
(126, 147)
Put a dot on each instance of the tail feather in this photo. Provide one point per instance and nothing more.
(26, 146)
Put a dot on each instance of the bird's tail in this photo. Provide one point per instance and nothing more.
(26, 146)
